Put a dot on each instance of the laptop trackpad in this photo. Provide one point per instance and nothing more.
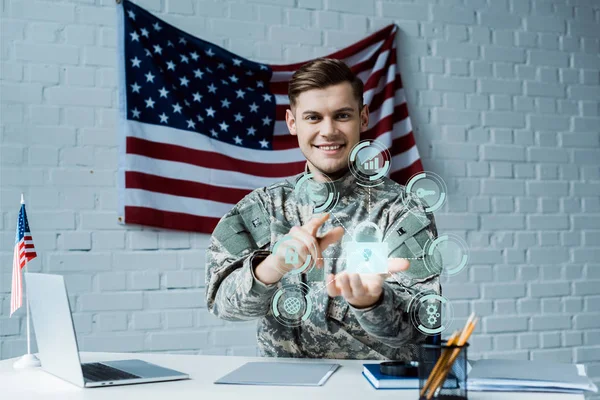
(143, 369)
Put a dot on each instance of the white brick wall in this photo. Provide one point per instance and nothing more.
(504, 96)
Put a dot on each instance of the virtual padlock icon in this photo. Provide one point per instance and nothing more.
(291, 256)
(367, 252)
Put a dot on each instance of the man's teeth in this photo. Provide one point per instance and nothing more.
(329, 147)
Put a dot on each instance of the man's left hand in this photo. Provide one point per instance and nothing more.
(362, 290)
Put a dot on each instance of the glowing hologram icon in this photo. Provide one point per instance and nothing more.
(447, 255)
(424, 192)
(430, 313)
(429, 187)
(369, 162)
(292, 257)
(323, 195)
(291, 304)
(366, 252)
(371, 165)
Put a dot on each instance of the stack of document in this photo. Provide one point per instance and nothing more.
(528, 376)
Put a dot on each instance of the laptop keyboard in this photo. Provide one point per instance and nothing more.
(97, 372)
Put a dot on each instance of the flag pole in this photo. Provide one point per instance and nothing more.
(28, 360)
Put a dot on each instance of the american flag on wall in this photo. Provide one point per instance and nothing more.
(201, 127)
(24, 252)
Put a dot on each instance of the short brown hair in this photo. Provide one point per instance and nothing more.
(322, 73)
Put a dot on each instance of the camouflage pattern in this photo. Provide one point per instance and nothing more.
(334, 329)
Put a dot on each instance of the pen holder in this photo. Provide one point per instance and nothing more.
(451, 382)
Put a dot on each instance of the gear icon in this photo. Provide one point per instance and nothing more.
(432, 319)
(431, 309)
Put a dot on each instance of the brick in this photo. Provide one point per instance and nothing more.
(179, 319)
(45, 11)
(176, 299)
(548, 256)
(504, 187)
(75, 241)
(99, 56)
(453, 15)
(546, 122)
(115, 342)
(449, 49)
(464, 291)
(146, 320)
(504, 119)
(503, 291)
(111, 281)
(548, 58)
(456, 117)
(544, 89)
(109, 302)
(505, 324)
(466, 85)
(177, 340)
(89, 15)
(143, 240)
(80, 35)
(362, 7)
(547, 222)
(29, 93)
(180, 7)
(457, 221)
(145, 280)
(587, 354)
(80, 76)
(140, 260)
(544, 323)
(586, 124)
(108, 240)
(47, 53)
(503, 153)
(177, 279)
(418, 12)
(561, 355)
(78, 262)
(550, 289)
(506, 54)
(110, 322)
(588, 287)
(545, 24)
(547, 188)
(9, 326)
(78, 96)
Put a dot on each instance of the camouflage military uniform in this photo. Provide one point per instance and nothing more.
(334, 329)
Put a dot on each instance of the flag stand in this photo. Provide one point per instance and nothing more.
(28, 360)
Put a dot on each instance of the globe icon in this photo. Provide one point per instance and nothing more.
(292, 305)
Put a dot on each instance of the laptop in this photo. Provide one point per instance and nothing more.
(57, 345)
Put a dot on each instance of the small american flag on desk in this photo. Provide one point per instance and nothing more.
(201, 127)
(23, 253)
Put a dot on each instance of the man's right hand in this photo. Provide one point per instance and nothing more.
(303, 241)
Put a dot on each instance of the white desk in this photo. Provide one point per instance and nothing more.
(346, 383)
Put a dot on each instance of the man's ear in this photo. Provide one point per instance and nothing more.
(364, 118)
(290, 121)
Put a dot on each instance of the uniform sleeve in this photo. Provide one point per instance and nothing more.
(237, 245)
(389, 320)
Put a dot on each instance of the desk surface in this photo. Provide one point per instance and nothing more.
(347, 383)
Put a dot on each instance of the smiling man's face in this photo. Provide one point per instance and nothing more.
(328, 123)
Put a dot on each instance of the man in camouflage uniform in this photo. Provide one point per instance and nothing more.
(356, 316)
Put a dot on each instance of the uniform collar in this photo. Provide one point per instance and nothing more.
(345, 185)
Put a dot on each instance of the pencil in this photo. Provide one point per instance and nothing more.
(464, 337)
(452, 340)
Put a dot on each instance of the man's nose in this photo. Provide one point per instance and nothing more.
(328, 127)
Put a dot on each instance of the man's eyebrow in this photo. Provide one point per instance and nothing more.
(343, 109)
